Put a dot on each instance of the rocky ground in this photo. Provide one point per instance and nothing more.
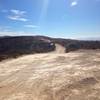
(52, 76)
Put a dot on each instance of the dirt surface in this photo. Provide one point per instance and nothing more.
(59, 49)
(51, 76)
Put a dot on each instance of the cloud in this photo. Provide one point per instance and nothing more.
(18, 12)
(74, 3)
(17, 33)
(17, 18)
(31, 26)
(17, 15)
(5, 28)
(8, 31)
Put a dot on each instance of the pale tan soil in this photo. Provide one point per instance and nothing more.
(59, 49)
(51, 76)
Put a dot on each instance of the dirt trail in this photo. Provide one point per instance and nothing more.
(59, 49)
(72, 76)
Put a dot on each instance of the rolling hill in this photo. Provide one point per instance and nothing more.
(12, 47)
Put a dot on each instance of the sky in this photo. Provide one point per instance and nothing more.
(55, 18)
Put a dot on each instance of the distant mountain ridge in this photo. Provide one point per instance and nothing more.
(14, 46)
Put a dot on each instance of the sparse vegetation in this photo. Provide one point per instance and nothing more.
(12, 47)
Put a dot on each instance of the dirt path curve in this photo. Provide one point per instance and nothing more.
(59, 48)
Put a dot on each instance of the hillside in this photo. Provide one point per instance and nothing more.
(52, 76)
(12, 47)
(50, 69)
